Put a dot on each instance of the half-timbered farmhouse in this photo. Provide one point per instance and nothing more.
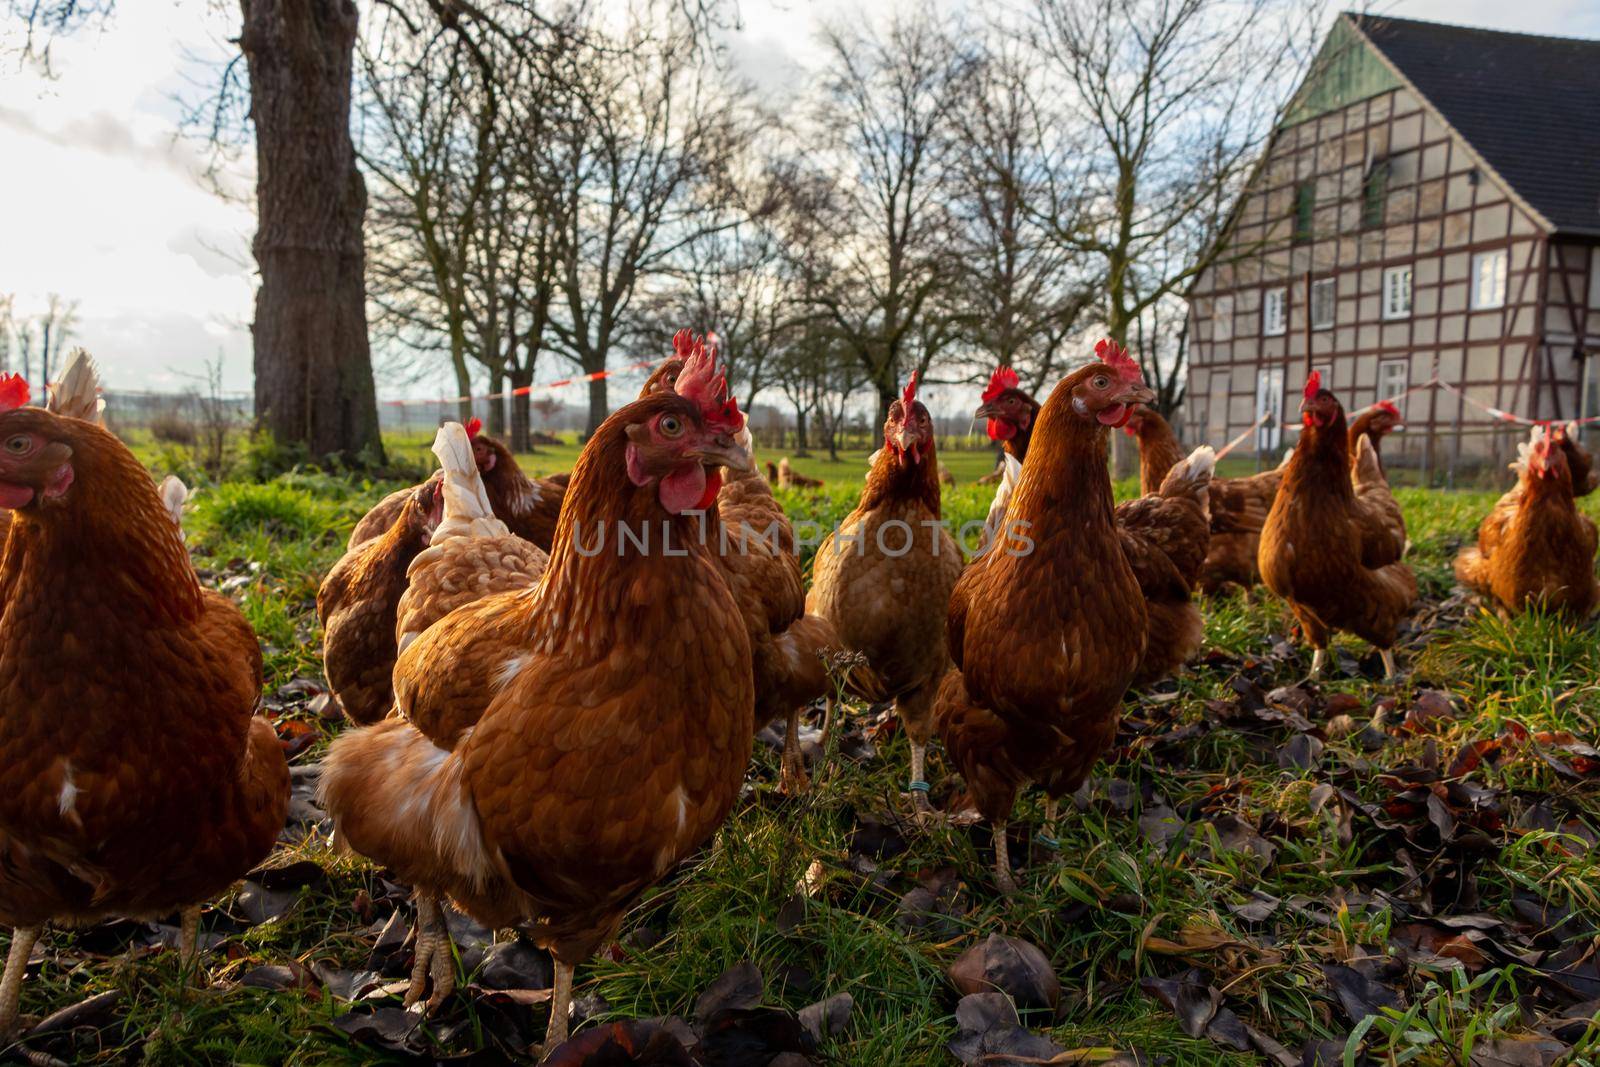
(1429, 207)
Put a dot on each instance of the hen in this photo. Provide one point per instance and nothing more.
(1331, 546)
(470, 554)
(1239, 506)
(1048, 628)
(1166, 533)
(1375, 423)
(358, 601)
(883, 579)
(758, 558)
(1165, 536)
(135, 777)
(528, 506)
(585, 736)
(1579, 463)
(789, 478)
(1535, 548)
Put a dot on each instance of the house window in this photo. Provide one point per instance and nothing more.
(1394, 376)
(1269, 401)
(1375, 193)
(1222, 319)
(1305, 205)
(1397, 292)
(1322, 303)
(1326, 370)
(1272, 308)
(1488, 280)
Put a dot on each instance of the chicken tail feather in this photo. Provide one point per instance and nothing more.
(399, 799)
(467, 512)
(77, 392)
(1191, 477)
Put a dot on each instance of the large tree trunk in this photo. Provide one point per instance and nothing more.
(497, 404)
(597, 404)
(800, 437)
(521, 403)
(312, 365)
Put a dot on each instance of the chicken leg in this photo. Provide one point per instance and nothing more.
(22, 942)
(1390, 671)
(1319, 661)
(1047, 833)
(919, 787)
(560, 1005)
(792, 777)
(188, 936)
(1002, 863)
(434, 957)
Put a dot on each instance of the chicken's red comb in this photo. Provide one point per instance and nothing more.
(474, 427)
(1388, 405)
(1313, 384)
(13, 391)
(702, 381)
(1116, 357)
(1002, 379)
(908, 395)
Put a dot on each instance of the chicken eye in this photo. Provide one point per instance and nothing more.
(670, 426)
(19, 445)
(1101, 381)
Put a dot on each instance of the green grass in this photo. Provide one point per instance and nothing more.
(1107, 910)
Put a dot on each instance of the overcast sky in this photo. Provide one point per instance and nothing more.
(104, 205)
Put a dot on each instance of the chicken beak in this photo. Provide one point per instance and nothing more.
(987, 411)
(726, 451)
(906, 438)
(1138, 394)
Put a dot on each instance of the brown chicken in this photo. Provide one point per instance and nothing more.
(528, 506)
(135, 777)
(1535, 548)
(1048, 628)
(566, 747)
(1238, 506)
(1166, 536)
(470, 554)
(758, 558)
(358, 601)
(1332, 544)
(883, 579)
(1579, 463)
(1375, 423)
(789, 478)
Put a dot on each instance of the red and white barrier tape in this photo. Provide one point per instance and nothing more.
(526, 389)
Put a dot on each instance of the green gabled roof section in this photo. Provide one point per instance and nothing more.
(1345, 70)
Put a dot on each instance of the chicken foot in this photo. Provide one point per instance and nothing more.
(792, 779)
(560, 1005)
(1002, 862)
(22, 941)
(435, 957)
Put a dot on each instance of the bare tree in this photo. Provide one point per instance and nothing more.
(653, 134)
(1021, 291)
(56, 327)
(885, 117)
(1177, 98)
